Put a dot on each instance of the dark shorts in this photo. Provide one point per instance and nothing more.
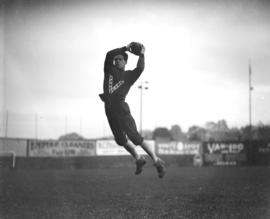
(123, 125)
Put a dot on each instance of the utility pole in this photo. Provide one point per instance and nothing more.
(144, 85)
(81, 125)
(36, 125)
(250, 100)
(66, 124)
(6, 128)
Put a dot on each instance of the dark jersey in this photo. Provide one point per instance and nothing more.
(117, 82)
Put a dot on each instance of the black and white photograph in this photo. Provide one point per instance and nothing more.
(129, 109)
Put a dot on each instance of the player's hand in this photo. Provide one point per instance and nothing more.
(143, 49)
(136, 48)
(128, 47)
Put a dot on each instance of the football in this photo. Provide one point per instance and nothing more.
(135, 48)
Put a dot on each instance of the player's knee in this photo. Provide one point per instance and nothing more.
(136, 139)
(120, 141)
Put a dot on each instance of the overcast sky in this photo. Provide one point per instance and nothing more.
(197, 56)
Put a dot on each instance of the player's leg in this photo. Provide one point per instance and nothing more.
(158, 162)
(149, 151)
(131, 149)
(120, 135)
(140, 160)
(115, 122)
(130, 128)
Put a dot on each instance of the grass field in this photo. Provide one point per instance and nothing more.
(185, 192)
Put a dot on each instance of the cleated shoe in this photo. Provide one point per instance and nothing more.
(160, 166)
(139, 165)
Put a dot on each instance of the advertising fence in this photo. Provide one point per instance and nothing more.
(225, 153)
(16, 146)
(259, 152)
(178, 148)
(204, 153)
(110, 148)
(54, 148)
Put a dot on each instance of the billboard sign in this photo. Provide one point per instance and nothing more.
(54, 148)
(178, 148)
(224, 147)
(110, 148)
(225, 153)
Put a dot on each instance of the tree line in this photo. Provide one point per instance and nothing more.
(212, 131)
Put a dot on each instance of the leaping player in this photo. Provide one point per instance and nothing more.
(116, 85)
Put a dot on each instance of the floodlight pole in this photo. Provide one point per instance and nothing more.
(141, 87)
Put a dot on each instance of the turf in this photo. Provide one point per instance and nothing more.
(185, 192)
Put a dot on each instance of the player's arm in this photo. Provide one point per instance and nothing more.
(108, 64)
(140, 63)
(135, 74)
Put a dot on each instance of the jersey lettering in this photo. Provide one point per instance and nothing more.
(116, 86)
